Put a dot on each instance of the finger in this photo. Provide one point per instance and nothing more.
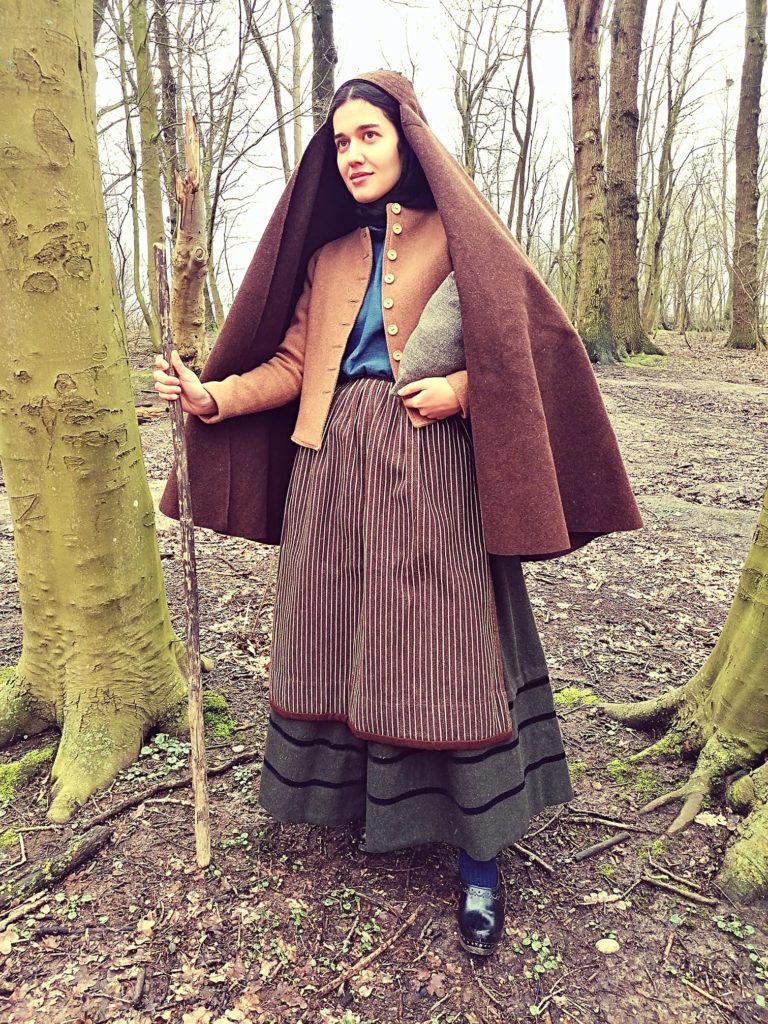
(161, 363)
(178, 365)
(410, 389)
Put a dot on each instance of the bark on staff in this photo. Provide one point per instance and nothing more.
(199, 776)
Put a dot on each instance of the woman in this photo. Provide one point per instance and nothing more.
(408, 684)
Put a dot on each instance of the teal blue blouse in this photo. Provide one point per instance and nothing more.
(366, 354)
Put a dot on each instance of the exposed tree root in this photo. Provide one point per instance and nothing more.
(647, 714)
(718, 759)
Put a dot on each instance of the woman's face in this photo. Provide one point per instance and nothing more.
(366, 150)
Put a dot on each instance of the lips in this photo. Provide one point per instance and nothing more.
(360, 176)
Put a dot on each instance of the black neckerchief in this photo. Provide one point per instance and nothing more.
(411, 191)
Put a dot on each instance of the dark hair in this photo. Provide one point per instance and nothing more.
(412, 189)
(358, 89)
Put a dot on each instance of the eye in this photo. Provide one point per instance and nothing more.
(340, 143)
(371, 132)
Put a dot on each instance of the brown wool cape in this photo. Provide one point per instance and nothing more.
(550, 477)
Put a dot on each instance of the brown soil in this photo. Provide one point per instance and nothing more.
(142, 935)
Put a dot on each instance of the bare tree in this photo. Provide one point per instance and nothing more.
(149, 131)
(593, 319)
(324, 60)
(746, 330)
(621, 173)
(677, 85)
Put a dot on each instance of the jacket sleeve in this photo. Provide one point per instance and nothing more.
(274, 382)
(459, 383)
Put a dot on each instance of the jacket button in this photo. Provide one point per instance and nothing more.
(396, 207)
(392, 254)
(397, 355)
(397, 228)
(389, 278)
(392, 328)
(388, 303)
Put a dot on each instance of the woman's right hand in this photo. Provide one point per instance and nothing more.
(186, 384)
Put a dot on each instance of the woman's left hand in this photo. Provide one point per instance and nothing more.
(433, 397)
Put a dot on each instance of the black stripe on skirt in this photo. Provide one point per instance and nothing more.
(481, 798)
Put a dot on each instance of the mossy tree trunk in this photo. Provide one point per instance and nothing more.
(621, 173)
(746, 331)
(149, 140)
(99, 658)
(324, 60)
(593, 315)
(722, 712)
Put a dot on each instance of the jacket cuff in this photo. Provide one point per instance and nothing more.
(460, 385)
(214, 417)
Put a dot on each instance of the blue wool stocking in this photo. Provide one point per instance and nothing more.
(478, 872)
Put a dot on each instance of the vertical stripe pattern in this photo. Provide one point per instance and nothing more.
(482, 800)
(384, 612)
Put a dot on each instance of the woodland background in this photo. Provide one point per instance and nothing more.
(623, 144)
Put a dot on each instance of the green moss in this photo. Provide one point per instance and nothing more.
(647, 783)
(9, 838)
(218, 719)
(607, 869)
(619, 771)
(17, 773)
(644, 781)
(656, 849)
(569, 696)
(576, 770)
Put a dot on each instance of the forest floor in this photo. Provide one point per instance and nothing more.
(266, 933)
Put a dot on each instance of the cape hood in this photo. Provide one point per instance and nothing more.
(550, 476)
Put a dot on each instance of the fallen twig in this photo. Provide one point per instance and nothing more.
(369, 959)
(606, 844)
(51, 870)
(696, 897)
(530, 855)
(707, 995)
(600, 819)
(670, 874)
(165, 787)
(17, 863)
(23, 909)
(138, 990)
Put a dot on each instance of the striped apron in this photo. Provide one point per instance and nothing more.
(383, 580)
(384, 611)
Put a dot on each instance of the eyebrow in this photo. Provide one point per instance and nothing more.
(360, 128)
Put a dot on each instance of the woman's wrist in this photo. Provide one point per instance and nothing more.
(209, 406)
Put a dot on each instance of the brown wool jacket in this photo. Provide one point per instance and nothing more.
(307, 362)
(549, 473)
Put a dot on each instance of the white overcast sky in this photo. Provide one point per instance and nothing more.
(376, 33)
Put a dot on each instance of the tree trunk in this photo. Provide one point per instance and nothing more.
(170, 134)
(190, 259)
(621, 165)
(99, 659)
(677, 87)
(746, 331)
(324, 60)
(723, 712)
(149, 136)
(592, 306)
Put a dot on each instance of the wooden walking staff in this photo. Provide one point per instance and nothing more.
(182, 324)
(199, 775)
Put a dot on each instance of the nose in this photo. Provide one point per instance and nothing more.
(354, 153)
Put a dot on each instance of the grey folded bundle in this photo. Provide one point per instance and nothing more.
(436, 345)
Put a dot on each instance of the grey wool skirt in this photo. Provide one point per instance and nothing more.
(409, 688)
